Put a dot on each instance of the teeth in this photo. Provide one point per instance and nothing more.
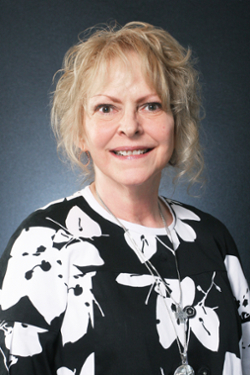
(134, 152)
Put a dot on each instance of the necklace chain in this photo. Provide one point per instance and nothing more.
(180, 314)
(175, 257)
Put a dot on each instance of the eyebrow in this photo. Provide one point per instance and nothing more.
(116, 100)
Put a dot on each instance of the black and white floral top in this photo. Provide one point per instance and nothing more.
(76, 298)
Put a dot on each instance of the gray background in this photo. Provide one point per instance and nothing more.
(34, 38)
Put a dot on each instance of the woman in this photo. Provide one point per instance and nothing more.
(115, 279)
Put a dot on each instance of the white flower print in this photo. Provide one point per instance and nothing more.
(87, 368)
(25, 341)
(245, 347)
(181, 229)
(205, 324)
(148, 244)
(239, 286)
(22, 339)
(43, 257)
(78, 225)
(80, 308)
(32, 259)
(81, 225)
(65, 371)
(241, 293)
(232, 365)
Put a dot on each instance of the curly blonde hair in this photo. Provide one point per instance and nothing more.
(167, 67)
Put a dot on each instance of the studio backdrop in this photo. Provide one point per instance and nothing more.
(34, 38)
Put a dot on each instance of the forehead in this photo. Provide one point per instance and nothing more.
(119, 71)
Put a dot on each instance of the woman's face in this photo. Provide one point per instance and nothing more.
(128, 134)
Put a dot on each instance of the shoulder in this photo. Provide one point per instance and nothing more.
(185, 211)
(42, 258)
(206, 226)
(53, 214)
(38, 230)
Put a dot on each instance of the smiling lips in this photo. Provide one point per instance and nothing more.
(131, 152)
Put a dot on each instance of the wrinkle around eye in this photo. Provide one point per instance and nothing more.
(99, 109)
(99, 115)
(156, 108)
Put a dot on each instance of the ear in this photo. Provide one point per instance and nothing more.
(82, 145)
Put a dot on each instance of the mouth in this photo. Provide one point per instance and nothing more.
(131, 152)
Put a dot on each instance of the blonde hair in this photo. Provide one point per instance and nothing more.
(166, 65)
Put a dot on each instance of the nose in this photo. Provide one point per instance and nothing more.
(130, 124)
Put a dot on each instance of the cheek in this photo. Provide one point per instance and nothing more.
(168, 136)
(168, 131)
(171, 128)
(97, 138)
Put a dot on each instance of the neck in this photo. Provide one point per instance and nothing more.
(140, 206)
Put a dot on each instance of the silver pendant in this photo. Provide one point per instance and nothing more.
(190, 311)
(184, 370)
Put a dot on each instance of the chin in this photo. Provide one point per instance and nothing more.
(136, 180)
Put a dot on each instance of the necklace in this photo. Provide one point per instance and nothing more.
(180, 313)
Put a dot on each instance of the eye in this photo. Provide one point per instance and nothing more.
(104, 108)
(152, 106)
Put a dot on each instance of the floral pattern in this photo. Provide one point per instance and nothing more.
(181, 229)
(38, 262)
(148, 244)
(61, 282)
(205, 324)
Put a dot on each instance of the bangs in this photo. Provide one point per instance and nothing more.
(152, 69)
